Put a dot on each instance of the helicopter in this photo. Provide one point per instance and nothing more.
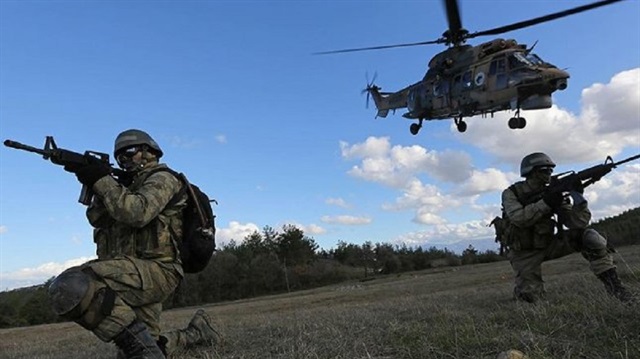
(465, 80)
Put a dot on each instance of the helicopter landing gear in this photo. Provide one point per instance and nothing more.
(460, 124)
(517, 123)
(415, 127)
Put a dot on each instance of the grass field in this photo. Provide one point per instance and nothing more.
(461, 312)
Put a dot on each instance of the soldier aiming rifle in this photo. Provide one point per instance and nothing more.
(535, 213)
(138, 221)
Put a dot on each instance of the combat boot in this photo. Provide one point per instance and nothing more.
(135, 342)
(614, 286)
(200, 331)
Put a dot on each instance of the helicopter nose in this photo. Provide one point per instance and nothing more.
(561, 84)
(558, 79)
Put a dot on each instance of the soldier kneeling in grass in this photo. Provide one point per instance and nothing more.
(532, 230)
(137, 224)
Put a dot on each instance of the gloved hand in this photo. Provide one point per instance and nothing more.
(553, 199)
(578, 187)
(72, 167)
(124, 178)
(90, 174)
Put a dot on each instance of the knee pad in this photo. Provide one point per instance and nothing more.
(69, 292)
(592, 240)
(75, 295)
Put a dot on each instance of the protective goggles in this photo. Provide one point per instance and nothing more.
(545, 169)
(128, 153)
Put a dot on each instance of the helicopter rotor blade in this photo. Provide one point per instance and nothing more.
(453, 15)
(541, 19)
(439, 41)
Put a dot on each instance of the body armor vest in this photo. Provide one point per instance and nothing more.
(152, 241)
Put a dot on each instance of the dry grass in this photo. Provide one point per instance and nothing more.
(463, 312)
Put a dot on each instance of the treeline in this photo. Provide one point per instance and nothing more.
(277, 261)
(266, 262)
(26, 306)
(621, 230)
(273, 262)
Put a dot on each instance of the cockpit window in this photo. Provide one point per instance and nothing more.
(535, 59)
(518, 59)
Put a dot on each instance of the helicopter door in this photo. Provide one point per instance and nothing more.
(441, 94)
(498, 76)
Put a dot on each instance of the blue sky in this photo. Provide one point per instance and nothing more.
(231, 92)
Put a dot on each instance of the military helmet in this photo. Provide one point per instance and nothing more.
(133, 137)
(531, 161)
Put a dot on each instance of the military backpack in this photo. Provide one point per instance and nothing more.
(198, 225)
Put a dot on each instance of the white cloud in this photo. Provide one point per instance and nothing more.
(617, 103)
(445, 234)
(337, 202)
(310, 229)
(615, 193)
(372, 147)
(608, 123)
(399, 167)
(417, 194)
(425, 215)
(395, 166)
(3, 229)
(346, 220)
(236, 231)
(487, 180)
(37, 275)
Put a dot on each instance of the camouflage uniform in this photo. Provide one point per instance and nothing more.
(136, 236)
(137, 222)
(532, 239)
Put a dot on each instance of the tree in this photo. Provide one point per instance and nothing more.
(294, 249)
(470, 255)
(386, 259)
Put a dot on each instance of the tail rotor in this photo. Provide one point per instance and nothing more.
(370, 86)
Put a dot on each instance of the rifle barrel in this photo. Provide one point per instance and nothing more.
(626, 160)
(20, 146)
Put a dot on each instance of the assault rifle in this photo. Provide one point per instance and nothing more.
(67, 158)
(575, 182)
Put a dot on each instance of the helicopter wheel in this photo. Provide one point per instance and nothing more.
(414, 128)
(462, 126)
(517, 123)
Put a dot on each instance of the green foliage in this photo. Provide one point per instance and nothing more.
(621, 230)
(470, 255)
(26, 306)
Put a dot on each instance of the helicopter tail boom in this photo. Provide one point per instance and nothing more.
(386, 101)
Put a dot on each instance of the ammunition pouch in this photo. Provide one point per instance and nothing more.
(543, 233)
(538, 236)
(519, 239)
